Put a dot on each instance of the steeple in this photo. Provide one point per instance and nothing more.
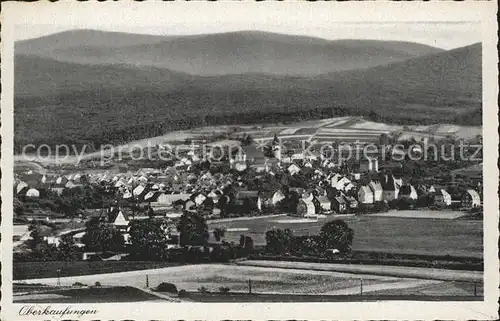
(276, 140)
(276, 146)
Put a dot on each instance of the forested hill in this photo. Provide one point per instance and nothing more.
(222, 53)
(69, 102)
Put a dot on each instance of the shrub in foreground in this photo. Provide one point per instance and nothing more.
(224, 290)
(166, 287)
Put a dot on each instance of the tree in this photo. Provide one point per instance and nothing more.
(219, 233)
(100, 236)
(149, 238)
(246, 244)
(67, 250)
(36, 237)
(278, 241)
(336, 234)
(193, 229)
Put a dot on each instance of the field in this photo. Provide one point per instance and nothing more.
(347, 129)
(33, 270)
(384, 234)
(81, 295)
(274, 284)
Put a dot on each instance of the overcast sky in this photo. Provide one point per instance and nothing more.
(446, 31)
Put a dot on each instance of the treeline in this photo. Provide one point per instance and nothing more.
(122, 135)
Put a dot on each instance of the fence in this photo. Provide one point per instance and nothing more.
(311, 285)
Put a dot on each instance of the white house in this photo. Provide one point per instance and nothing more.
(408, 192)
(277, 197)
(138, 190)
(199, 199)
(20, 186)
(306, 208)
(33, 193)
(121, 220)
(365, 195)
(442, 198)
(470, 199)
(378, 192)
(391, 188)
(293, 169)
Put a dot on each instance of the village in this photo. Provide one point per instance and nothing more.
(245, 182)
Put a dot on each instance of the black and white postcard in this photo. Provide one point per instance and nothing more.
(249, 160)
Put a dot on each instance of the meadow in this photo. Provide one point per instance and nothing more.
(384, 234)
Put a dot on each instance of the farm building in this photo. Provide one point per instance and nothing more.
(408, 191)
(378, 192)
(214, 195)
(269, 199)
(21, 188)
(339, 205)
(351, 201)
(305, 208)
(442, 198)
(391, 188)
(365, 195)
(138, 190)
(343, 184)
(470, 199)
(324, 205)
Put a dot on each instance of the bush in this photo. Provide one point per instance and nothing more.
(224, 290)
(182, 293)
(79, 284)
(97, 284)
(203, 289)
(166, 287)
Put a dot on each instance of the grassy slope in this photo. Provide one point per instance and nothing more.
(223, 53)
(58, 102)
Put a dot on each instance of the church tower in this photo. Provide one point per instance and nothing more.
(276, 148)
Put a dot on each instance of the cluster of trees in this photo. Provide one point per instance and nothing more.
(334, 234)
(70, 202)
(232, 108)
(41, 250)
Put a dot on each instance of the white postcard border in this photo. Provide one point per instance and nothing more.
(345, 11)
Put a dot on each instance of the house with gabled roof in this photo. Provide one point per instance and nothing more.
(339, 205)
(470, 199)
(408, 191)
(391, 187)
(293, 169)
(32, 193)
(377, 190)
(352, 203)
(323, 204)
(365, 195)
(442, 198)
(21, 188)
(119, 218)
(305, 208)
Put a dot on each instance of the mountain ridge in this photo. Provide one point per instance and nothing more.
(222, 53)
